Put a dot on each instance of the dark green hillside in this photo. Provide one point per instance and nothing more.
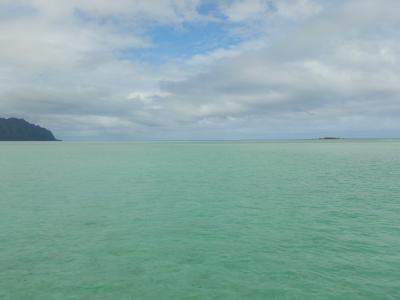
(13, 129)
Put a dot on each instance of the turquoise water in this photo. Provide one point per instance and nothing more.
(200, 220)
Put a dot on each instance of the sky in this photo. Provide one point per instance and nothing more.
(202, 69)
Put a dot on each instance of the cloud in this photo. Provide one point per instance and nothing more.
(333, 71)
(313, 68)
(262, 10)
(243, 10)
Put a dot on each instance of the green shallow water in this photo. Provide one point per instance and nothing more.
(200, 220)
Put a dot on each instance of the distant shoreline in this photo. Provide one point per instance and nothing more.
(207, 140)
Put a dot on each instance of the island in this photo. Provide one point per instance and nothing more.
(329, 138)
(13, 129)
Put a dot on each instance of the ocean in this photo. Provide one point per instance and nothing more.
(200, 220)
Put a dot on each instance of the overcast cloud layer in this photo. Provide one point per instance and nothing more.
(192, 69)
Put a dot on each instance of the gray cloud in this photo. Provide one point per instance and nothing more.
(315, 68)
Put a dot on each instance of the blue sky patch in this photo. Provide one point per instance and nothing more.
(171, 42)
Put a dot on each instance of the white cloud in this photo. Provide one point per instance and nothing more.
(242, 10)
(314, 67)
(263, 10)
(297, 9)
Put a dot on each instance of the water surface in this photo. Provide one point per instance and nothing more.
(200, 220)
